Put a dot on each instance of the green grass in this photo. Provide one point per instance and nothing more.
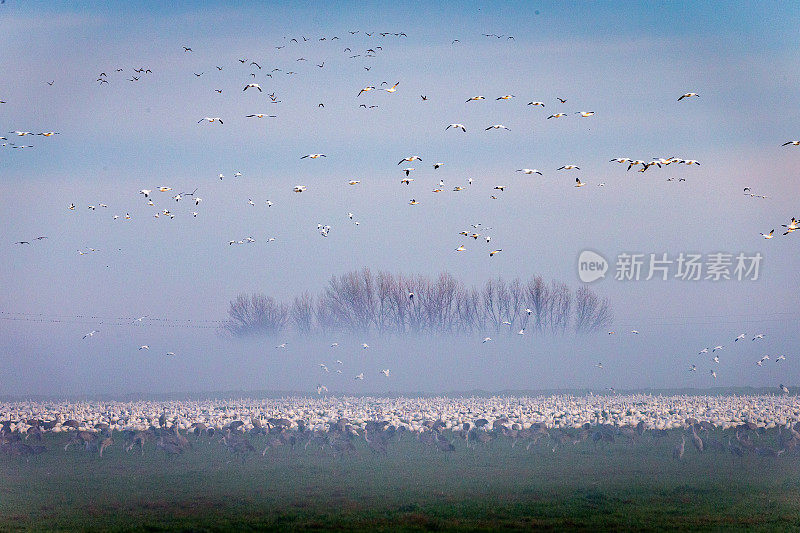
(611, 488)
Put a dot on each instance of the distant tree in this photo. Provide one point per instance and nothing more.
(303, 313)
(385, 303)
(591, 312)
(257, 314)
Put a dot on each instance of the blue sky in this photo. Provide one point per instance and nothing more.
(627, 62)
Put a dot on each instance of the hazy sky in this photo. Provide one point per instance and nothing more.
(628, 62)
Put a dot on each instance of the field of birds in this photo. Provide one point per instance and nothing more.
(240, 473)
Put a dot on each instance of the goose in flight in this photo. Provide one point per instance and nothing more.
(393, 88)
(252, 86)
(210, 119)
(475, 98)
(410, 158)
(456, 126)
(688, 95)
(313, 156)
(406, 181)
(260, 115)
(585, 113)
(366, 89)
(704, 350)
(506, 97)
(360, 376)
(529, 171)
(569, 167)
(364, 345)
(780, 358)
(536, 103)
(300, 188)
(354, 182)
(718, 347)
(321, 388)
(759, 336)
(693, 368)
(282, 345)
(793, 143)
(493, 252)
(324, 367)
(385, 372)
(713, 374)
(497, 127)
(768, 235)
(91, 333)
(740, 337)
(146, 192)
(144, 347)
(579, 183)
(784, 389)
(557, 115)
(413, 202)
(461, 248)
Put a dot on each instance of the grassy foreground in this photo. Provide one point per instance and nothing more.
(609, 487)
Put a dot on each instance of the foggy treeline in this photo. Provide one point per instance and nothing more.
(385, 303)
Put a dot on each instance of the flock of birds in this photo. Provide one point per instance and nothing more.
(253, 83)
(336, 425)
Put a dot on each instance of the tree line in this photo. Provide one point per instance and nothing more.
(384, 303)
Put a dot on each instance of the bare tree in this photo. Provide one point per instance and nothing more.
(303, 313)
(258, 314)
(591, 313)
(362, 302)
(560, 307)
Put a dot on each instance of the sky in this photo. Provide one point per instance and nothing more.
(626, 62)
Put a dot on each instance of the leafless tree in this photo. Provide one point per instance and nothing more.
(303, 313)
(591, 313)
(386, 303)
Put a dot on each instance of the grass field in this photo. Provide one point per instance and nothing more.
(609, 487)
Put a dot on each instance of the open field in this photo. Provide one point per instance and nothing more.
(633, 485)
